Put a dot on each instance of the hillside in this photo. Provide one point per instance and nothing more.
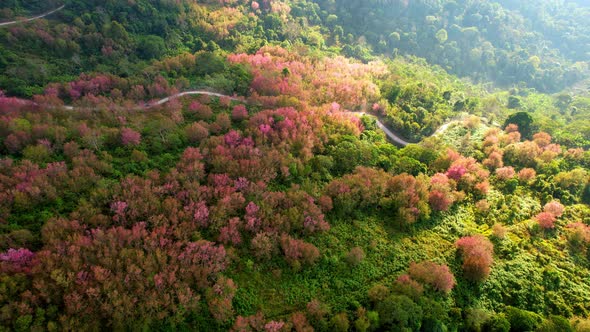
(221, 165)
(540, 45)
(509, 43)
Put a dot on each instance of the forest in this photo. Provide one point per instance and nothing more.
(269, 197)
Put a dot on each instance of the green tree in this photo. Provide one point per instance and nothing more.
(522, 320)
(151, 47)
(525, 123)
(442, 36)
(399, 312)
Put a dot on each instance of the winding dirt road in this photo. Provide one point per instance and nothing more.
(167, 99)
(390, 134)
(193, 92)
(32, 18)
(402, 142)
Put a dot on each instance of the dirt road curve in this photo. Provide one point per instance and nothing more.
(32, 18)
(193, 92)
(167, 99)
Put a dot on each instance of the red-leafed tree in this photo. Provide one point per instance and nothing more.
(439, 276)
(239, 113)
(200, 111)
(130, 137)
(526, 175)
(542, 139)
(264, 245)
(299, 252)
(17, 261)
(219, 299)
(442, 194)
(555, 208)
(440, 201)
(252, 323)
(274, 326)
(196, 132)
(456, 172)
(477, 252)
(546, 220)
(505, 173)
(231, 232)
(494, 160)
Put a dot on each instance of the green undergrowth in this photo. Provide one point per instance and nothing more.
(541, 274)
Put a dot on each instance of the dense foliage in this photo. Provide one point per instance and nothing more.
(543, 46)
(509, 42)
(281, 205)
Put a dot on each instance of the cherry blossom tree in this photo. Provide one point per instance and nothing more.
(477, 254)
(130, 137)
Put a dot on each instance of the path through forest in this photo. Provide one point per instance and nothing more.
(32, 18)
(390, 134)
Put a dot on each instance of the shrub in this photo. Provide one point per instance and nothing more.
(196, 132)
(579, 235)
(399, 312)
(316, 313)
(220, 297)
(522, 320)
(250, 323)
(496, 323)
(37, 153)
(407, 286)
(362, 322)
(482, 205)
(475, 319)
(582, 325)
(499, 231)
(378, 293)
(340, 322)
(355, 256)
(555, 323)
(300, 323)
